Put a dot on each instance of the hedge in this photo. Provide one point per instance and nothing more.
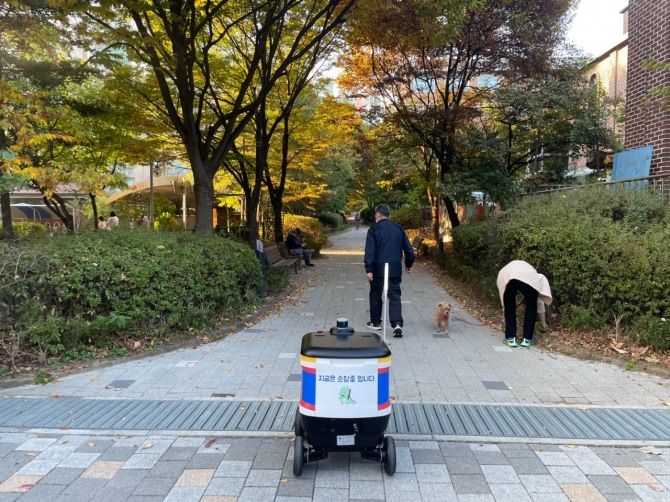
(61, 292)
(605, 252)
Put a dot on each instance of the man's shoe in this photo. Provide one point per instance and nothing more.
(397, 332)
(510, 342)
(374, 326)
(309, 264)
(526, 342)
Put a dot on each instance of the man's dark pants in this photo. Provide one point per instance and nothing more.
(395, 308)
(530, 295)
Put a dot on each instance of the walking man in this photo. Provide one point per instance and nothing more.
(385, 243)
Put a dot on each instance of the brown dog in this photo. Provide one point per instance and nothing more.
(442, 316)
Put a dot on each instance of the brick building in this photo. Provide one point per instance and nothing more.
(647, 120)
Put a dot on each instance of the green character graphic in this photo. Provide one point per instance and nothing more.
(345, 395)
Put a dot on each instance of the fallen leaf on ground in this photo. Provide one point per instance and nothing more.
(53, 393)
(147, 446)
(210, 442)
(90, 445)
(31, 454)
(657, 488)
(620, 351)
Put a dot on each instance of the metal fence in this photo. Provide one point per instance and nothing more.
(659, 183)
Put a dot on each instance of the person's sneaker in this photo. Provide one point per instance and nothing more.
(309, 264)
(526, 342)
(374, 326)
(397, 332)
(510, 342)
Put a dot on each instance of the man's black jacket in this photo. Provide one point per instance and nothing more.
(292, 242)
(385, 243)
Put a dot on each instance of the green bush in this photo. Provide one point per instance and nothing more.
(312, 234)
(59, 293)
(474, 246)
(652, 331)
(367, 215)
(331, 220)
(165, 221)
(604, 251)
(408, 217)
(27, 229)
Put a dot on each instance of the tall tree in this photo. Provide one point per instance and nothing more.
(422, 57)
(204, 56)
(27, 64)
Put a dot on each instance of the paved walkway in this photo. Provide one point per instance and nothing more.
(470, 365)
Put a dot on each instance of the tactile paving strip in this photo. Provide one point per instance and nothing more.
(494, 421)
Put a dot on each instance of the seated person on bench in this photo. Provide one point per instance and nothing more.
(295, 247)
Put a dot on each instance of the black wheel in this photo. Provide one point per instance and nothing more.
(299, 456)
(297, 425)
(388, 447)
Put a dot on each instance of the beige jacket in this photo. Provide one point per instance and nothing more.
(524, 272)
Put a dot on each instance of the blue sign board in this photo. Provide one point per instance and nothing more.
(632, 164)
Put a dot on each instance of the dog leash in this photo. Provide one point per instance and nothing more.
(467, 322)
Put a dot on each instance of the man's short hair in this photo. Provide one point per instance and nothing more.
(384, 210)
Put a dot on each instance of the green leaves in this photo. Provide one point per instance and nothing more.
(63, 293)
(599, 266)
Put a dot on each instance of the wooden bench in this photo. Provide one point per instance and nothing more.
(274, 258)
(416, 243)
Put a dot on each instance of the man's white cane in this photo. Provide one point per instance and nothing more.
(385, 298)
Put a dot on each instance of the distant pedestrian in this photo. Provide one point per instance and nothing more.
(357, 219)
(113, 221)
(521, 277)
(386, 242)
(296, 248)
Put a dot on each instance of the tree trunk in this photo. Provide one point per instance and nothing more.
(204, 204)
(203, 188)
(94, 206)
(251, 215)
(435, 214)
(6, 208)
(451, 212)
(57, 205)
(277, 207)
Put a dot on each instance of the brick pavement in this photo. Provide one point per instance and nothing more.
(72, 467)
(470, 365)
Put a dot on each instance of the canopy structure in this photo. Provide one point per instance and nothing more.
(175, 188)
